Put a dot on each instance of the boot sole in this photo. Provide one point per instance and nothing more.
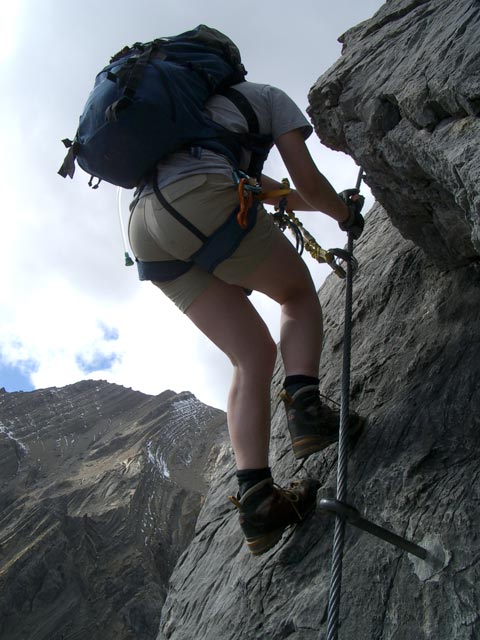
(261, 544)
(304, 447)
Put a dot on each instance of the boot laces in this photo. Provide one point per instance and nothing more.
(287, 398)
(290, 496)
(328, 399)
(236, 502)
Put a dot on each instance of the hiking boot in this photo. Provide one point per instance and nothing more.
(312, 424)
(267, 510)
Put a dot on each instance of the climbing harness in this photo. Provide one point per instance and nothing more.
(343, 511)
(304, 240)
(214, 248)
(226, 239)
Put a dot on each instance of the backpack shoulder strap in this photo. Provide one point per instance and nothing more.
(244, 106)
(258, 144)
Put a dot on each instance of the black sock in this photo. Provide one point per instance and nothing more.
(247, 478)
(294, 383)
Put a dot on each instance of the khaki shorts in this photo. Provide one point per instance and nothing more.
(206, 200)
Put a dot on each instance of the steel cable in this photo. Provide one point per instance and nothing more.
(342, 465)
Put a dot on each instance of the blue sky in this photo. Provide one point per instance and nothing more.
(64, 280)
(13, 379)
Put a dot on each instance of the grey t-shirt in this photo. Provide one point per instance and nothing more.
(276, 112)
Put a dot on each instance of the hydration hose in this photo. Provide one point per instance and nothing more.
(128, 261)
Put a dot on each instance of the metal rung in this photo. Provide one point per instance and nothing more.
(352, 515)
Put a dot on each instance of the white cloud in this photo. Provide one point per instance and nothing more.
(11, 14)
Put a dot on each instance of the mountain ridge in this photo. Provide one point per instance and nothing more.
(100, 487)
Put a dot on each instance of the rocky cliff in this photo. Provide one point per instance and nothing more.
(100, 488)
(403, 100)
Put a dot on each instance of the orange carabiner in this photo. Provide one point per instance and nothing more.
(246, 201)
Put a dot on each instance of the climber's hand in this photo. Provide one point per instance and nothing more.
(354, 223)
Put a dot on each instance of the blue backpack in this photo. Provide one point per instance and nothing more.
(148, 102)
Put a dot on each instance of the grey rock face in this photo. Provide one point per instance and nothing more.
(403, 101)
(100, 488)
(414, 470)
